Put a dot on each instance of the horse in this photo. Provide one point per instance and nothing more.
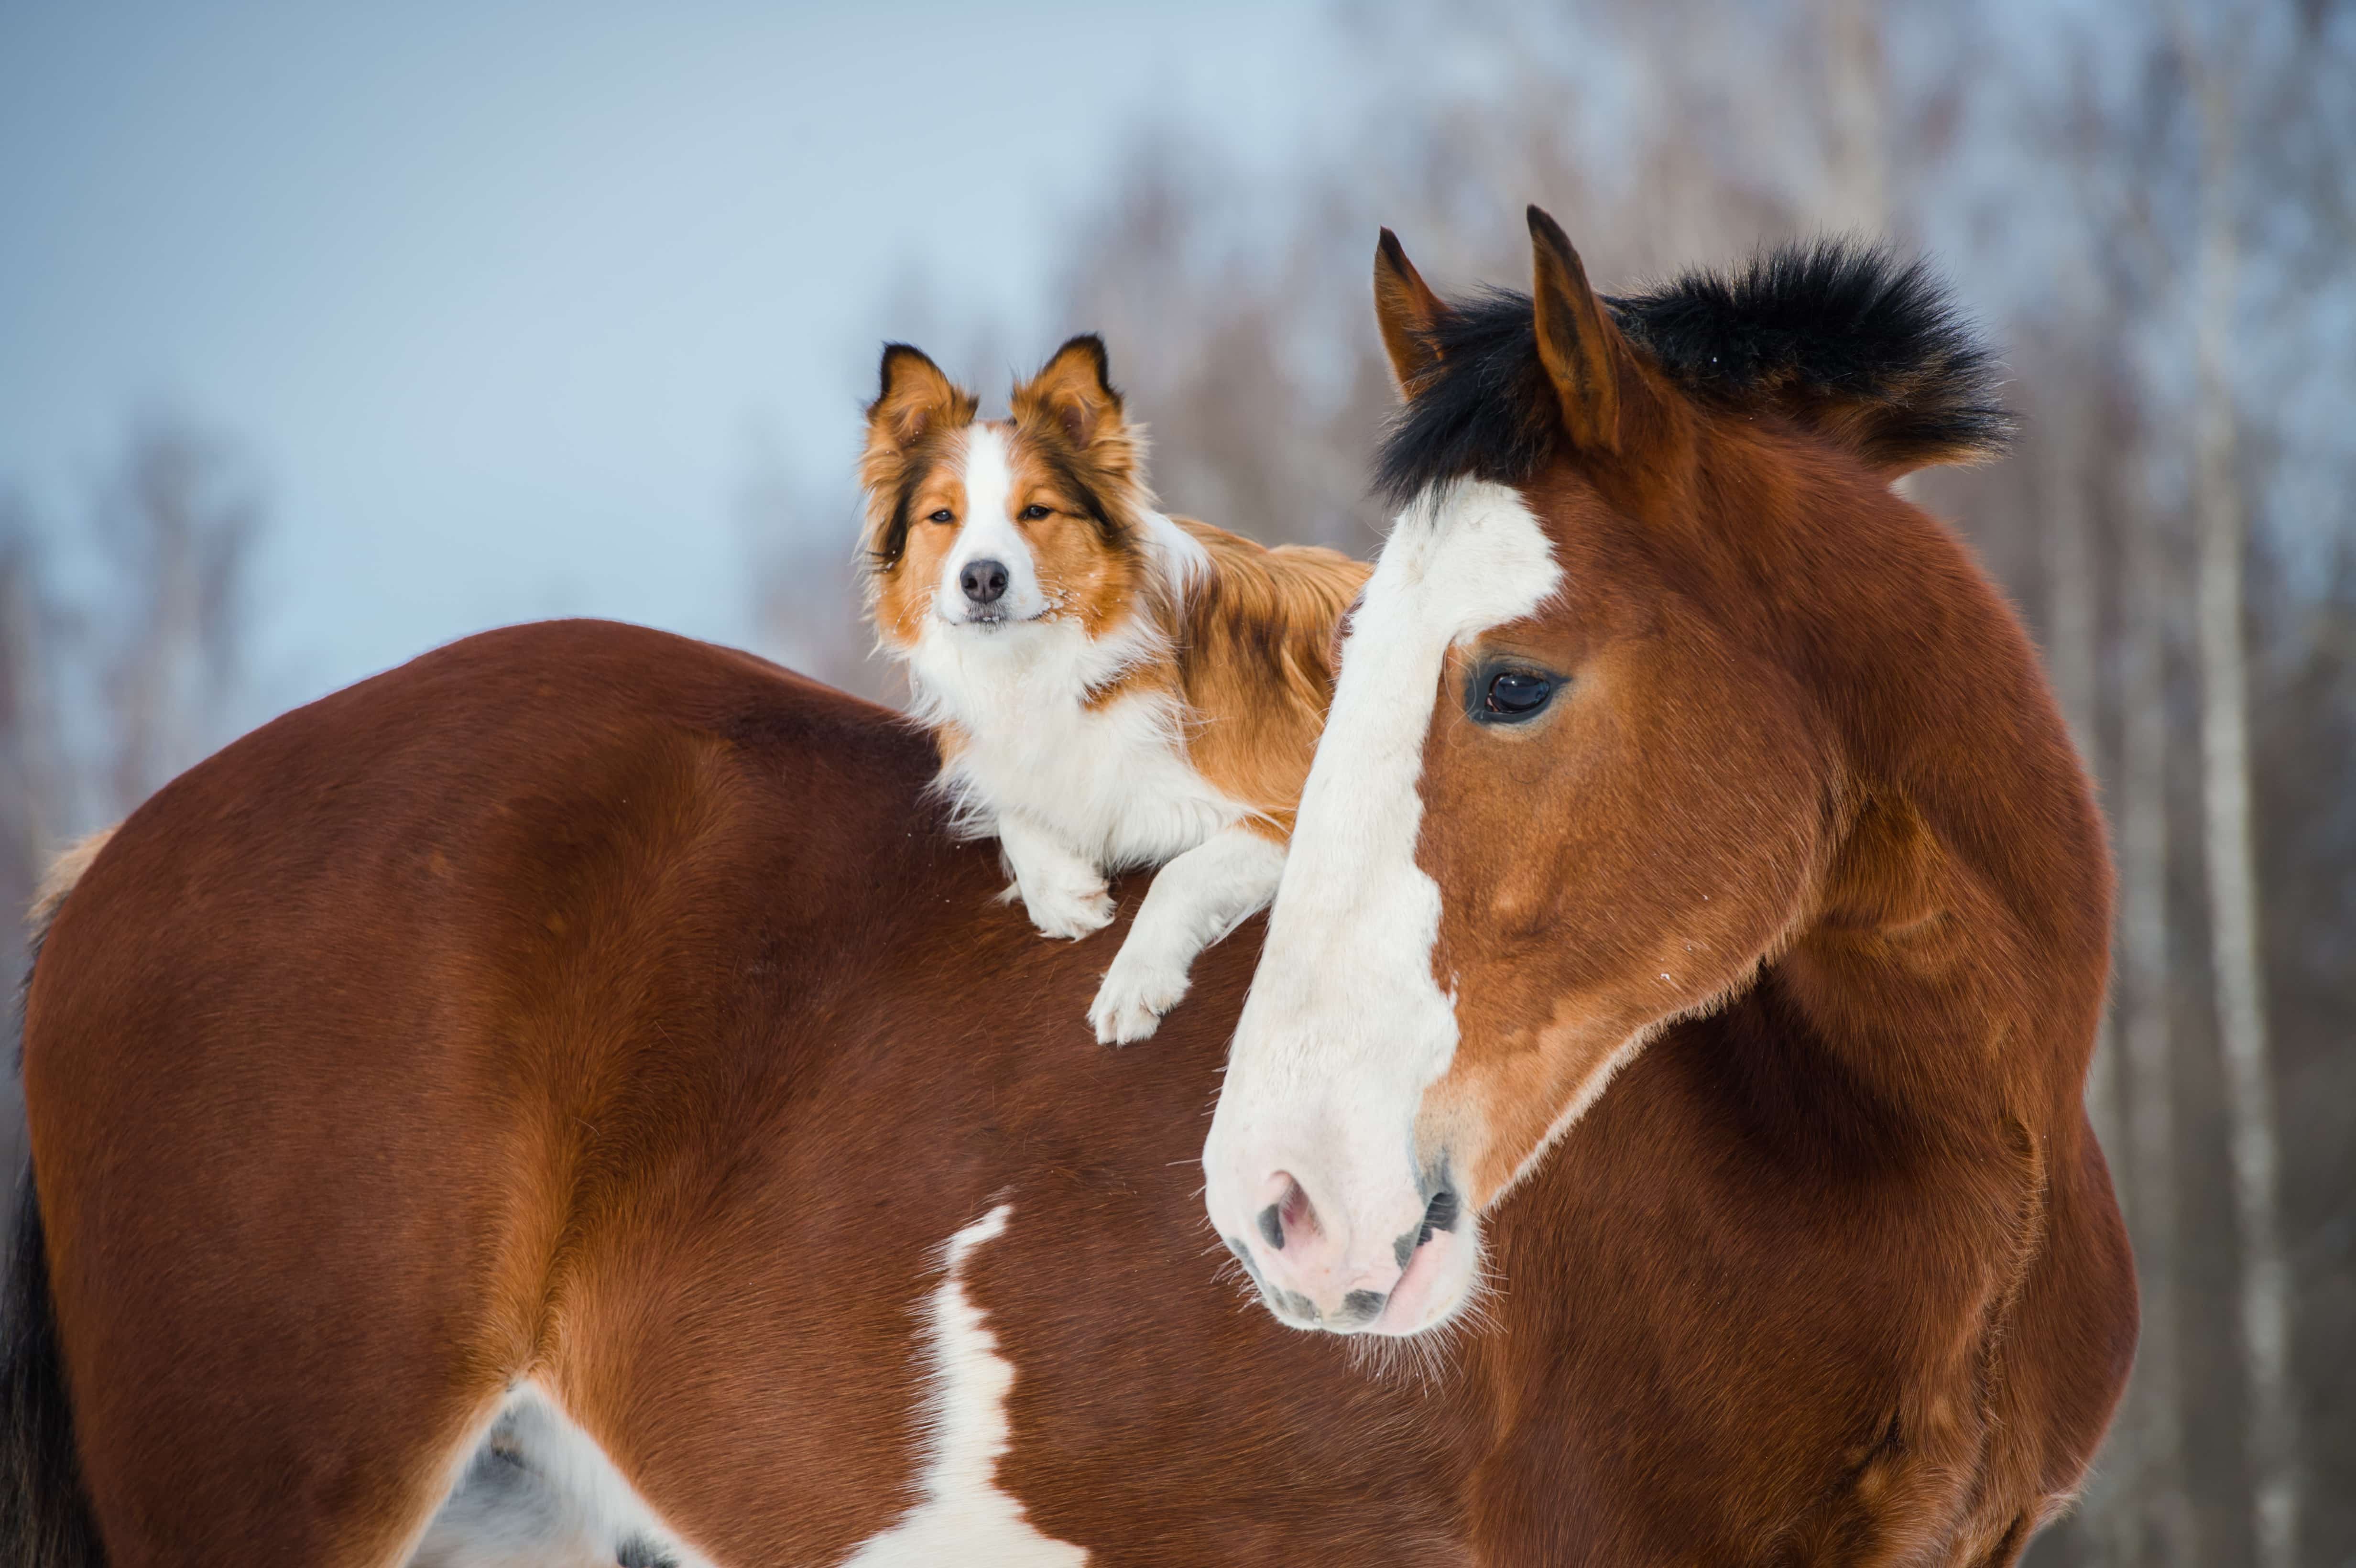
(1673, 752)
(587, 1032)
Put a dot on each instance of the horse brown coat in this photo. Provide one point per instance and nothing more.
(581, 1002)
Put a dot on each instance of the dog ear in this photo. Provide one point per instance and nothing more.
(1075, 390)
(915, 401)
(1406, 311)
(915, 398)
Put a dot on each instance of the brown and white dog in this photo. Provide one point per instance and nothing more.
(1111, 689)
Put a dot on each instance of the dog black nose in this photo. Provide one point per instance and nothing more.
(984, 581)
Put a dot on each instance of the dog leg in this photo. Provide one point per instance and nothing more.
(1064, 895)
(1196, 900)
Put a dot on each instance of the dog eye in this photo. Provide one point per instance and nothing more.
(943, 516)
(1514, 695)
(1034, 512)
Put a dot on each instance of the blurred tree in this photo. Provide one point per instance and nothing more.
(25, 768)
(2212, 66)
(2154, 1522)
(802, 541)
(176, 522)
(32, 808)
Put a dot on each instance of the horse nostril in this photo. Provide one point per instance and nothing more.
(1286, 1219)
(984, 581)
(1439, 1216)
(1296, 1211)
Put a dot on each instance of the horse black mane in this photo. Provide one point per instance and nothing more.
(1808, 330)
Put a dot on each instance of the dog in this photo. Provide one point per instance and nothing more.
(1111, 689)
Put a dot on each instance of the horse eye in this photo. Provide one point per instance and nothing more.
(943, 516)
(1032, 513)
(1516, 694)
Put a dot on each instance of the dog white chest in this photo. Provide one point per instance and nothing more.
(1110, 780)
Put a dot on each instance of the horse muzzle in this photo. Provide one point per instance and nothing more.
(1394, 1267)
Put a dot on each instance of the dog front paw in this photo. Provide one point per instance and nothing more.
(1070, 911)
(1134, 996)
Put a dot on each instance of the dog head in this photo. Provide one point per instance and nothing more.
(990, 529)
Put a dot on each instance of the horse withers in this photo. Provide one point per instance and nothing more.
(1672, 750)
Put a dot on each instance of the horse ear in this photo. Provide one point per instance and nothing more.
(915, 397)
(1074, 389)
(1406, 310)
(1579, 345)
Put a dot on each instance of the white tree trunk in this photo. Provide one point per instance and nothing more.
(2158, 1529)
(2232, 876)
(1856, 199)
(2070, 658)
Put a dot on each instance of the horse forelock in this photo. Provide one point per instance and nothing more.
(1861, 349)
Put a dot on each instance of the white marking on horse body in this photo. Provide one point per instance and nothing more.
(964, 1517)
(539, 1492)
(1347, 1026)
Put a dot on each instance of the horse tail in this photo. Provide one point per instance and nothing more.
(45, 1514)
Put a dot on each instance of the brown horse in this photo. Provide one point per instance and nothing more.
(598, 1041)
(1670, 745)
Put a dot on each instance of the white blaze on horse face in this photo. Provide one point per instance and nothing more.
(987, 532)
(963, 1516)
(1347, 1026)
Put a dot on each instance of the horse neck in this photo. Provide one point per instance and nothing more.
(1958, 947)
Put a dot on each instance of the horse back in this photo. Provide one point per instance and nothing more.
(369, 1041)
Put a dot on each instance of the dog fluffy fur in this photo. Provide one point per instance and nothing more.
(1111, 689)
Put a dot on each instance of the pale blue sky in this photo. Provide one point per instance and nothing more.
(502, 299)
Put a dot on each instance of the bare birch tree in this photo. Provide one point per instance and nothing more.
(1856, 195)
(2229, 854)
(25, 749)
(28, 762)
(176, 521)
(2159, 1517)
(2072, 646)
(802, 542)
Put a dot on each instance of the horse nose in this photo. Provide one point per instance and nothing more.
(984, 581)
(1311, 1266)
